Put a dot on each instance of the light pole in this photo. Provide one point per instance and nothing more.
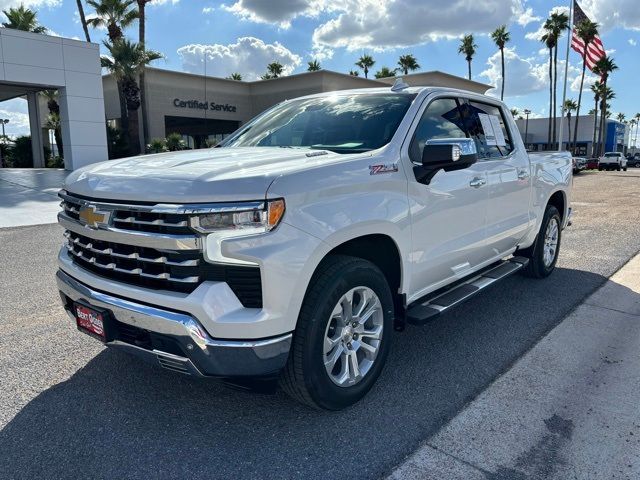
(3, 121)
(527, 112)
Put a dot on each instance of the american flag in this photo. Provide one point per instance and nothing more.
(595, 49)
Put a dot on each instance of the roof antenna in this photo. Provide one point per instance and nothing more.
(399, 84)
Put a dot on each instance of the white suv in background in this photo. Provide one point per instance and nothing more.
(613, 161)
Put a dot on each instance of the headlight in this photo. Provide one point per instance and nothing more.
(241, 218)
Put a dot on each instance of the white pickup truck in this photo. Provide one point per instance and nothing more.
(320, 227)
(612, 161)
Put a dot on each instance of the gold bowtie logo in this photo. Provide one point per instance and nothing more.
(91, 217)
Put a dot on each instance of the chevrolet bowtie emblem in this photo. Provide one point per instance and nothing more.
(91, 217)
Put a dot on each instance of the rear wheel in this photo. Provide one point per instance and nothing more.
(343, 335)
(543, 254)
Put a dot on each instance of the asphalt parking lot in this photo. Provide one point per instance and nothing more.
(70, 408)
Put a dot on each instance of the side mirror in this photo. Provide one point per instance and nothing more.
(446, 154)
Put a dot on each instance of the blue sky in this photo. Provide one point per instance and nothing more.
(245, 35)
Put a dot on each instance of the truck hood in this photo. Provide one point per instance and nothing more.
(208, 175)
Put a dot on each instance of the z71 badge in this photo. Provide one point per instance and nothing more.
(383, 168)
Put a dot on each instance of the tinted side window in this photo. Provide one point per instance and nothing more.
(477, 118)
(441, 119)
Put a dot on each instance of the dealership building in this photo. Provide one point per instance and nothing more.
(535, 133)
(205, 110)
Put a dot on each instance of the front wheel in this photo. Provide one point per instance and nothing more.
(343, 334)
(543, 254)
(624, 169)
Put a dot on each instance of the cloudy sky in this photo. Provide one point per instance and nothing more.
(244, 35)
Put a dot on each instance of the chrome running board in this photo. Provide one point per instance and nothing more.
(428, 308)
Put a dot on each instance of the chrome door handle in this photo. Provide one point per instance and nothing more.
(523, 174)
(477, 182)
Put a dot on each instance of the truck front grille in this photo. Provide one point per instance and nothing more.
(151, 250)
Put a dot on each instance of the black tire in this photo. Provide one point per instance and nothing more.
(618, 168)
(304, 377)
(599, 169)
(624, 169)
(537, 267)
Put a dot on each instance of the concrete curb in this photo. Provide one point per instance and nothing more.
(567, 409)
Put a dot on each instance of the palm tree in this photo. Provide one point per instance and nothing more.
(354, 73)
(385, 72)
(604, 67)
(127, 59)
(555, 25)
(365, 62)
(501, 37)
(83, 20)
(142, 5)
(274, 70)
(468, 49)
(596, 88)
(408, 62)
(587, 32)
(174, 142)
(24, 19)
(550, 42)
(621, 117)
(314, 66)
(515, 112)
(569, 106)
(235, 76)
(54, 114)
(637, 119)
(115, 15)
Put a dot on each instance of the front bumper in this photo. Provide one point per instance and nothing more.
(176, 340)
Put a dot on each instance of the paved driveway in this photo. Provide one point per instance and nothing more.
(70, 408)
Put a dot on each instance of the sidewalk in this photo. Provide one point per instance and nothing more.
(28, 196)
(568, 409)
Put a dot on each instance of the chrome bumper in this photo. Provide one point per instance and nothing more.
(201, 355)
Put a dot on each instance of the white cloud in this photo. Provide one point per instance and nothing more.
(537, 34)
(208, 9)
(380, 25)
(632, 42)
(157, 3)
(249, 56)
(279, 12)
(7, 4)
(524, 15)
(17, 111)
(522, 75)
(613, 13)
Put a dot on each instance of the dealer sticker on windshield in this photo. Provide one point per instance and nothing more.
(383, 168)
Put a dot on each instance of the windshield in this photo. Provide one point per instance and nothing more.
(611, 154)
(340, 123)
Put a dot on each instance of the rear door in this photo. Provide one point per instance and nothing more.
(448, 214)
(508, 176)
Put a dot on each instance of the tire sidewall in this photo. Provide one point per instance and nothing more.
(550, 213)
(324, 392)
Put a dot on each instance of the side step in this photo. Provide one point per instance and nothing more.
(422, 311)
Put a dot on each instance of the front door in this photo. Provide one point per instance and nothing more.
(448, 215)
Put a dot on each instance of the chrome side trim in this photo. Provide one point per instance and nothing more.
(131, 237)
(185, 209)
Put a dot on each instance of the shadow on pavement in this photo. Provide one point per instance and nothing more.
(118, 417)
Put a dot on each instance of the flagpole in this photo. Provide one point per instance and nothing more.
(566, 73)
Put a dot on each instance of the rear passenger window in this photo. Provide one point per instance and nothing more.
(440, 120)
(487, 126)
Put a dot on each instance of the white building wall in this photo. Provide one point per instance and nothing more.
(73, 68)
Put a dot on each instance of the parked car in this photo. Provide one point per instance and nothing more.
(297, 248)
(579, 164)
(612, 161)
(592, 163)
(634, 161)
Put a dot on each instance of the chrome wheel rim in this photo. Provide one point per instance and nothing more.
(551, 242)
(352, 336)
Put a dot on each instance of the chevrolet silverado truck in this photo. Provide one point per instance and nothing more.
(296, 249)
(612, 161)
